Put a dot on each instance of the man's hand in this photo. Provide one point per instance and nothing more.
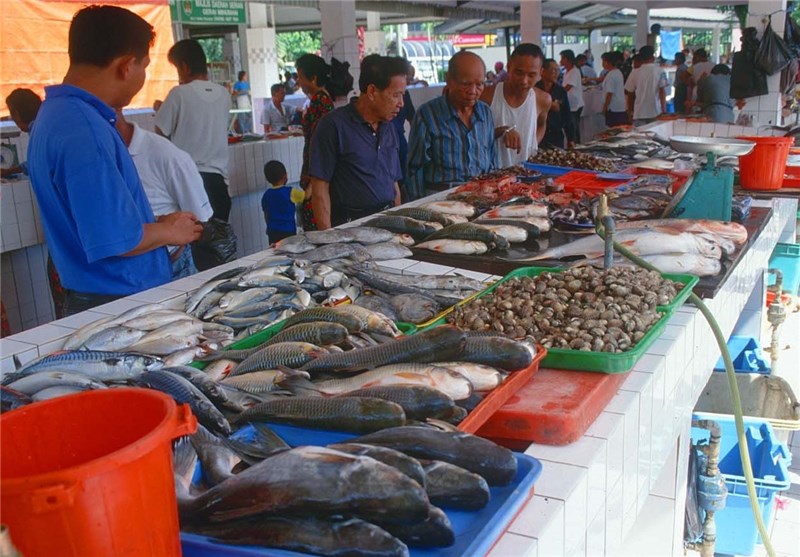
(740, 103)
(512, 140)
(183, 227)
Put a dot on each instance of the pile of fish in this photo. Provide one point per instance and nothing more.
(693, 246)
(635, 148)
(645, 198)
(378, 494)
(573, 159)
(580, 309)
(458, 227)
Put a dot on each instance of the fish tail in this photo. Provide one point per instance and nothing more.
(299, 386)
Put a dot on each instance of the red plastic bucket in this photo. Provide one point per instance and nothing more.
(763, 168)
(91, 474)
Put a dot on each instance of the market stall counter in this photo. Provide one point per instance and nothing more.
(591, 492)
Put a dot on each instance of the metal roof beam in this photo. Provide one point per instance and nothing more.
(421, 9)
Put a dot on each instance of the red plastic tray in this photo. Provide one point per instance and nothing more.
(555, 408)
(502, 394)
(791, 177)
(590, 183)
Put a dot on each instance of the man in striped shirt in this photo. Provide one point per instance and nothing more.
(452, 137)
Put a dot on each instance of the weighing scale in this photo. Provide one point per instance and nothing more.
(708, 194)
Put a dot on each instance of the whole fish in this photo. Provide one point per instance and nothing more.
(528, 210)
(289, 483)
(378, 304)
(202, 381)
(402, 462)
(453, 487)
(337, 251)
(265, 319)
(236, 298)
(183, 328)
(434, 531)
(640, 242)
(259, 382)
(452, 384)
(31, 384)
(483, 377)
(402, 225)
(451, 208)
(494, 463)
(692, 264)
(307, 535)
(415, 308)
(733, 231)
(331, 315)
(164, 345)
(216, 458)
(197, 296)
(56, 391)
(512, 234)
(263, 307)
(439, 343)
(435, 282)
(117, 337)
(219, 369)
(217, 332)
(183, 391)
(371, 322)
(355, 415)
(260, 278)
(185, 356)
(541, 224)
(155, 320)
(498, 352)
(294, 245)
(229, 274)
(184, 462)
(100, 365)
(288, 354)
(460, 247)
(469, 231)
(208, 302)
(402, 239)
(388, 250)
(418, 402)
(80, 336)
(272, 261)
(330, 236)
(423, 214)
(367, 235)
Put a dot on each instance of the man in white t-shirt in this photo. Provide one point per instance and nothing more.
(646, 88)
(195, 117)
(614, 106)
(276, 116)
(171, 182)
(573, 84)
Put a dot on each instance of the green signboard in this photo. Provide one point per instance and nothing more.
(209, 12)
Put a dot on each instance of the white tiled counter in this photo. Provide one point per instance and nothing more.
(627, 473)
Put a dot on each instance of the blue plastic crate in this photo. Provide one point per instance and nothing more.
(551, 170)
(476, 531)
(737, 533)
(746, 355)
(786, 257)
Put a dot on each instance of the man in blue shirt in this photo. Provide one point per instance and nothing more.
(354, 158)
(452, 137)
(98, 223)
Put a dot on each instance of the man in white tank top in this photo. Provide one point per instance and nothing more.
(519, 109)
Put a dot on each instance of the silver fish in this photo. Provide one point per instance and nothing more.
(463, 247)
(56, 392)
(513, 234)
(367, 235)
(98, 364)
(451, 208)
(36, 382)
(155, 320)
(414, 308)
(388, 250)
(197, 296)
(483, 378)
(219, 369)
(164, 345)
(294, 245)
(117, 337)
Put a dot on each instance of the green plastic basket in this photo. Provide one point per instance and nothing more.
(605, 362)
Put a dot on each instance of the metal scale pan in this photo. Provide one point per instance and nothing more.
(715, 145)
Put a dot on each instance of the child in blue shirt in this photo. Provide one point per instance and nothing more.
(279, 203)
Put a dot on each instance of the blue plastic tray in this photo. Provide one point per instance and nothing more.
(551, 170)
(476, 531)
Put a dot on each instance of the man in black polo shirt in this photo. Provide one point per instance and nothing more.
(354, 158)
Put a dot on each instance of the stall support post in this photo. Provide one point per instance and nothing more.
(374, 38)
(530, 18)
(642, 25)
(339, 37)
(715, 35)
(766, 109)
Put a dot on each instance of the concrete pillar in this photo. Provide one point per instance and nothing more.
(232, 54)
(715, 45)
(339, 38)
(642, 26)
(260, 51)
(530, 19)
(766, 109)
(374, 38)
(598, 46)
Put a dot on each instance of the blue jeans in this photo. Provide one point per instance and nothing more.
(184, 265)
(245, 122)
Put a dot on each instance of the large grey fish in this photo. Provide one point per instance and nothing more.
(208, 302)
(355, 415)
(156, 319)
(371, 322)
(532, 231)
(367, 235)
(265, 319)
(733, 231)
(330, 236)
(451, 208)
(217, 459)
(498, 352)
(692, 264)
(184, 392)
(294, 245)
(483, 377)
(415, 308)
(469, 231)
(331, 315)
(453, 487)
(258, 382)
(272, 261)
(265, 280)
(164, 345)
(80, 336)
(197, 296)
(495, 463)
(117, 337)
(378, 304)
(235, 298)
(419, 402)
(439, 343)
(287, 354)
(434, 531)
(100, 365)
(337, 251)
(421, 213)
(402, 225)
(430, 282)
(202, 381)
(317, 536)
(406, 464)
(32, 384)
(459, 247)
(289, 483)
(388, 250)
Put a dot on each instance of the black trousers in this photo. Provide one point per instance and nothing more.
(218, 196)
(576, 122)
(76, 302)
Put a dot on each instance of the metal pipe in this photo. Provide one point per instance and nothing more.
(610, 227)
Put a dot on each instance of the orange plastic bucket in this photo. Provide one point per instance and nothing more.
(763, 168)
(91, 474)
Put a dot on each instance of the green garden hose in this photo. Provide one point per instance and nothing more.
(734, 388)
